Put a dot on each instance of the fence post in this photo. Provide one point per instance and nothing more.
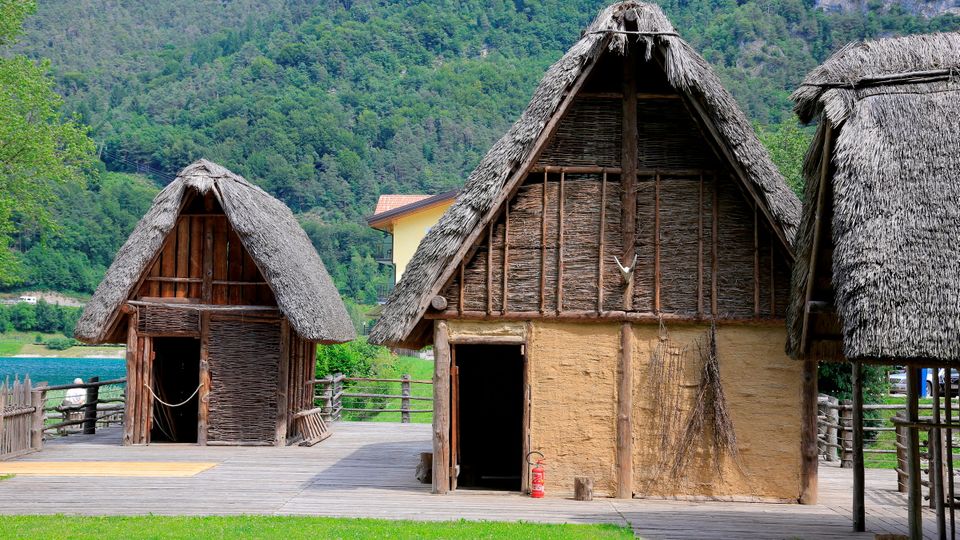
(3, 405)
(901, 444)
(337, 395)
(833, 416)
(38, 399)
(846, 455)
(327, 396)
(405, 399)
(90, 407)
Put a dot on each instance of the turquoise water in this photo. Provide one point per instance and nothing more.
(62, 370)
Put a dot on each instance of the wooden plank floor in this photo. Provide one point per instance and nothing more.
(366, 470)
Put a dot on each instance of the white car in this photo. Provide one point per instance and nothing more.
(954, 381)
(898, 381)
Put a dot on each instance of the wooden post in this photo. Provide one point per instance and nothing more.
(700, 247)
(948, 451)
(405, 399)
(846, 444)
(714, 256)
(38, 399)
(284, 412)
(756, 264)
(90, 407)
(624, 414)
(600, 252)
(441, 408)
(901, 445)
(833, 416)
(327, 397)
(808, 433)
(560, 243)
(859, 514)
(812, 268)
(203, 415)
(628, 173)
(3, 406)
(936, 454)
(132, 390)
(583, 488)
(656, 243)
(543, 247)
(914, 496)
(506, 255)
(489, 268)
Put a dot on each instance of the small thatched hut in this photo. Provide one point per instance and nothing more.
(221, 300)
(665, 377)
(877, 277)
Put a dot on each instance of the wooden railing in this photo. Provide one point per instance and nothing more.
(21, 413)
(102, 406)
(835, 434)
(364, 398)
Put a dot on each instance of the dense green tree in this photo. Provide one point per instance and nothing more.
(23, 317)
(48, 317)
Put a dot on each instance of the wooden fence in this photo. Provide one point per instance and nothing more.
(366, 398)
(21, 418)
(102, 405)
(835, 436)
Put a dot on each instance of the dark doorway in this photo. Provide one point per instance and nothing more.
(176, 375)
(488, 404)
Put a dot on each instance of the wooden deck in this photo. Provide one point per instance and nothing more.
(366, 470)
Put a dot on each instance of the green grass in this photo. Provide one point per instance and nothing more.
(884, 440)
(13, 343)
(287, 528)
(417, 368)
(9, 347)
(5, 477)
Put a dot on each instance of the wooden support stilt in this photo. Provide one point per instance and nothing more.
(808, 434)
(700, 248)
(948, 452)
(600, 253)
(283, 389)
(543, 248)
(714, 260)
(656, 243)
(489, 269)
(859, 513)
(624, 414)
(628, 162)
(506, 253)
(560, 245)
(936, 456)
(914, 495)
(132, 390)
(203, 414)
(756, 264)
(441, 408)
(773, 285)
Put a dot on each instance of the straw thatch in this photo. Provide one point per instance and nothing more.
(271, 235)
(686, 72)
(894, 108)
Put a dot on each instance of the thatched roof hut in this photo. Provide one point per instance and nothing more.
(221, 301)
(626, 243)
(506, 162)
(878, 278)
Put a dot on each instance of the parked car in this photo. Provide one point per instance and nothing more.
(954, 382)
(898, 381)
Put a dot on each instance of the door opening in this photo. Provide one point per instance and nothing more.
(176, 375)
(488, 408)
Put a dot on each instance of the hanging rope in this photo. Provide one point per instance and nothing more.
(182, 403)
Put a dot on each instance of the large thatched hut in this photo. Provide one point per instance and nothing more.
(877, 277)
(221, 300)
(610, 286)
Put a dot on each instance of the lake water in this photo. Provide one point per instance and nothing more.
(62, 370)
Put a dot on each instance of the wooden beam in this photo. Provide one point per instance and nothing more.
(700, 248)
(625, 414)
(628, 162)
(619, 95)
(859, 515)
(756, 265)
(692, 174)
(591, 315)
(441, 408)
(914, 495)
(773, 284)
(132, 389)
(489, 270)
(714, 260)
(543, 247)
(560, 245)
(935, 473)
(527, 395)
(283, 388)
(206, 289)
(203, 414)
(506, 252)
(600, 254)
(656, 243)
(809, 460)
(815, 242)
(461, 287)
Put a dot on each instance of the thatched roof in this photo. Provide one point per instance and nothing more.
(894, 109)
(686, 71)
(271, 235)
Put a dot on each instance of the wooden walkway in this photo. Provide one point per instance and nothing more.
(366, 470)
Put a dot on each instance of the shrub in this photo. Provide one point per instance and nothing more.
(60, 344)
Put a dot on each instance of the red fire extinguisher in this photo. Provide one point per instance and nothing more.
(536, 482)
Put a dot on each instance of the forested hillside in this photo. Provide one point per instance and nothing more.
(328, 104)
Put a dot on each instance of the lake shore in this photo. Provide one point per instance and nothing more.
(31, 350)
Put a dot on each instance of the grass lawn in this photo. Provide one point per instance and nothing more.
(9, 347)
(14, 343)
(418, 369)
(884, 440)
(5, 476)
(286, 528)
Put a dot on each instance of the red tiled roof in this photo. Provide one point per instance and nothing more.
(390, 202)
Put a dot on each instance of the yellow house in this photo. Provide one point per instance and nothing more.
(407, 218)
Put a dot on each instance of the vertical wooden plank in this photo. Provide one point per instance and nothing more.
(454, 417)
(441, 408)
(506, 252)
(815, 242)
(756, 264)
(252, 295)
(461, 287)
(700, 247)
(283, 412)
(543, 247)
(153, 287)
(38, 400)
(656, 243)
(489, 270)
(220, 261)
(141, 394)
(148, 358)
(235, 268)
(129, 405)
(183, 256)
(206, 292)
(196, 255)
(808, 434)
(527, 376)
(624, 414)
(628, 165)
(203, 415)
(935, 473)
(168, 263)
(773, 284)
(914, 495)
(560, 245)
(859, 515)
(600, 254)
(714, 261)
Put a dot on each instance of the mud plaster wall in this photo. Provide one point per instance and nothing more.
(762, 388)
